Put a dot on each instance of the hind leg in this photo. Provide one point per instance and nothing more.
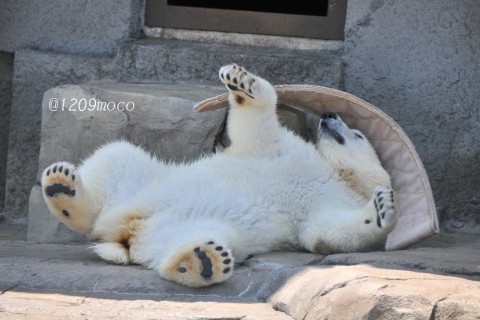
(253, 125)
(194, 253)
(67, 198)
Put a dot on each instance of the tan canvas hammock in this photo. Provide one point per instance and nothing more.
(414, 200)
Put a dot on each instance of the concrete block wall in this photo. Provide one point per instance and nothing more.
(54, 42)
(89, 26)
(420, 62)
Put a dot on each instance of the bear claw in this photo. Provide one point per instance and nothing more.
(236, 79)
(383, 201)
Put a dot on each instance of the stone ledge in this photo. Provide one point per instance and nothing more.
(69, 280)
(187, 61)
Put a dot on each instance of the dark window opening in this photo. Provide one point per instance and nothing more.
(323, 19)
(300, 7)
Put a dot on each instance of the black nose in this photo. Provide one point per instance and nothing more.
(329, 115)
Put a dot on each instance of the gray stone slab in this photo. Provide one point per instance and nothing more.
(74, 268)
(62, 281)
(174, 60)
(452, 254)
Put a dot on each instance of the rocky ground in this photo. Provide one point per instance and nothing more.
(436, 279)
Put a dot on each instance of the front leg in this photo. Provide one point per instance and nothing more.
(253, 125)
(331, 230)
(247, 89)
(380, 211)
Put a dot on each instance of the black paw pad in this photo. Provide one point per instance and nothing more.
(206, 263)
(232, 87)
(227, 262)
(182, 270)
(59, 188)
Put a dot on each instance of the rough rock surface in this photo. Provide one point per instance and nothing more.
(69, 281)
(158, 117)
(419, 63)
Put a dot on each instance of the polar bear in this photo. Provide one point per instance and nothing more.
(269, 190)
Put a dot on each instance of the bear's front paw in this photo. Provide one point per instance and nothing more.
(238, 80)
(383, 201)
(200, 265)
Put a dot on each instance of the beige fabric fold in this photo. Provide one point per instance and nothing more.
(414, 200)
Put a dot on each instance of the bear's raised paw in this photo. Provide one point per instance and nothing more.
(238, 80)
(59, 179)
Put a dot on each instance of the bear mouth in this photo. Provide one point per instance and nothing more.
(331, 132)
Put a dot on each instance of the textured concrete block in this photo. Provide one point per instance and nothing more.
(78, 119)
(68, 25)
(419, 62)
(173, 60)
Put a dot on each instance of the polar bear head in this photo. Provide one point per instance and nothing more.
(349, 153)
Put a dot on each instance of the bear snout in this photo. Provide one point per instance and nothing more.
(329, 115)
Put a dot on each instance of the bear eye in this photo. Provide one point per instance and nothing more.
(357, 135)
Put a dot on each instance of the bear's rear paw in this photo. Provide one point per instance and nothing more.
(200, 265)
(59, 179)
(59, 188)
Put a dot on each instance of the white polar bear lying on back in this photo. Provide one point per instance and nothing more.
(269, 190)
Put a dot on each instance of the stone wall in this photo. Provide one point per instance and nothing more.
(90, 26)
(419, 61)
(55, 42)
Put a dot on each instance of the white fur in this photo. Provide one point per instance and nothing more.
(269, 190)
